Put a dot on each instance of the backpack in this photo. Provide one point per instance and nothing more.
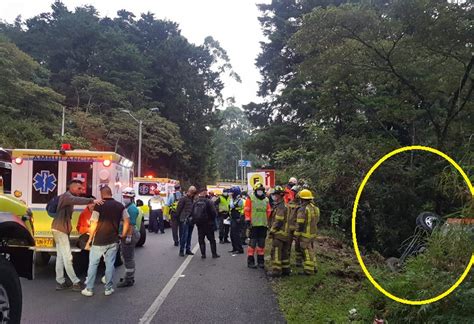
(199, 213)
(52, 207)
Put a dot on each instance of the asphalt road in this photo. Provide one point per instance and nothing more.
(206, 291)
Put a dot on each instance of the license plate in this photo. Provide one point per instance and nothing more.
(44, 242)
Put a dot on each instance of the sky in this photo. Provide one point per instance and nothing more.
(233, 23)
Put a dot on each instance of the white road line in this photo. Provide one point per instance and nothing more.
(151, 312)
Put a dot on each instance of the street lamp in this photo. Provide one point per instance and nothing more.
(140, 126)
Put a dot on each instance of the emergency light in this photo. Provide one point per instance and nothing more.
(106, 163)
(18, 160)
(66, 147)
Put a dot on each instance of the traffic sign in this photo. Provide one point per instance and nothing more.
(245, 163)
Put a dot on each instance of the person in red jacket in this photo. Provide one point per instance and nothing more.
(290, 194)
(84, 223)
(257, 212)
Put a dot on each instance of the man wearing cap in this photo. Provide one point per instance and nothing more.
(307, 221)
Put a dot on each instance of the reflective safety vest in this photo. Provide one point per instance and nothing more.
(239, 205)
(259, 211)
(281, 225)
(308, 216)
(174, 205)
(292, 211)
(224, 204)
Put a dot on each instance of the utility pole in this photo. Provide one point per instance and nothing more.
(62, 125)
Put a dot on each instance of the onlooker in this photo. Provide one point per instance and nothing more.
(156, 221)
(104, 238)
(183, 211)
(172, 203)
(129, 241)
(61, 228)
(204, 215)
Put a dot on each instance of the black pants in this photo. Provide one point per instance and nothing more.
(235, 232)
(153, 221)
(223, 228)
(174, 226)
(206, 230)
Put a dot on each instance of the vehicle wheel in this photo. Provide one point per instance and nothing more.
(142, 239)
(10, 293)
(393, 264)
(428, 221)
(42, 258)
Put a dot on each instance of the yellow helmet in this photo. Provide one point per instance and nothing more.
(306, 194)
(258, 186)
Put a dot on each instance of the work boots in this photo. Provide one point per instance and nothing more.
(251, 262)
(129, 279)
(214, 250)
(261, 261)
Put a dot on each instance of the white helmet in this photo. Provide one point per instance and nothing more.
(293, 180)
(128, 192)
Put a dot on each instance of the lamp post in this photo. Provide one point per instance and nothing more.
(62, 124)
(140, 126)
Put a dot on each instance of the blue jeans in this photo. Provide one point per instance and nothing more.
(110, 253)
(185, 236)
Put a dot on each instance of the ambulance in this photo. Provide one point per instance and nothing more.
(144, 188)
(40, 175)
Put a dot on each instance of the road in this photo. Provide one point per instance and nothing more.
(168, 289)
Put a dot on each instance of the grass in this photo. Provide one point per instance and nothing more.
(340, 285)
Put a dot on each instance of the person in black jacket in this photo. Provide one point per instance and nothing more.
(183, 212)
(204, 216)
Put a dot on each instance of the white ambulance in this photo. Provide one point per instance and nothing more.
(40, 175)
(145, 187)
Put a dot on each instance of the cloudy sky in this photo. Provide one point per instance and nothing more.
(232, 22)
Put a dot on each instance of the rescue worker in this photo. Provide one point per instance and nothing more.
(257, 211)
(128, 242)
(223, 208)
(307, 221)
(280, 235)
(236, 216)
(156, 221)
(243, 229)
(293, 206)
(290, 194)
(172, 203)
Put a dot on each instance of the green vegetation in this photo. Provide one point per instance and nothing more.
(340, 285)
(346, 82)
(97, 66)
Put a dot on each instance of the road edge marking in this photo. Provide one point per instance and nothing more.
(155, 306)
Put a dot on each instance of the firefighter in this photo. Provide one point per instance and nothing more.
(292, 207)
(280, 235)
(290, 194)
(307, 221)
(257, 212)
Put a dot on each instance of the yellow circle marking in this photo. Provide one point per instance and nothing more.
(354, 236)
(256, 178)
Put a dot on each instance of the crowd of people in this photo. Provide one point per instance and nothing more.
(283, 216)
